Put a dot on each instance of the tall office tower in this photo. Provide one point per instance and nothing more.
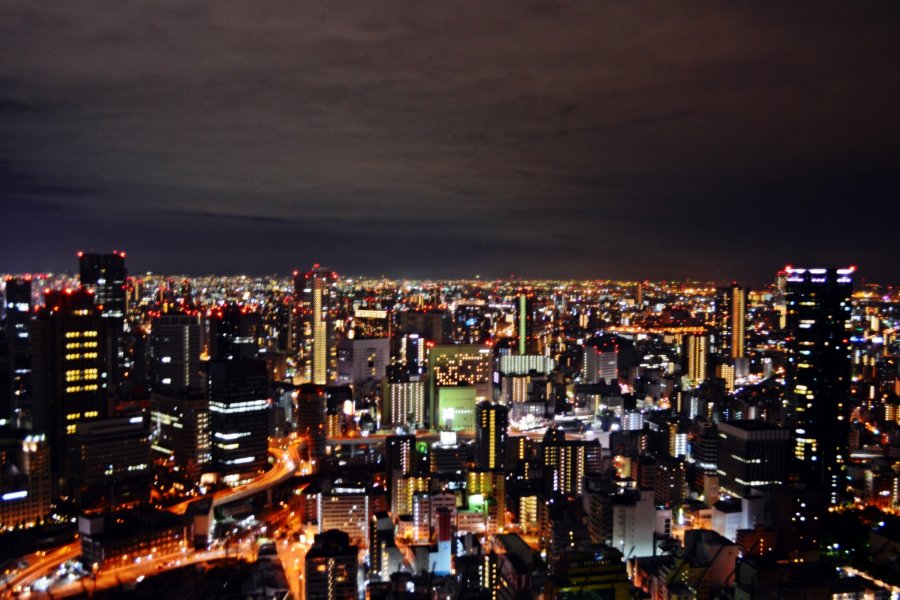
(233, 332)
(695, 351)
(731, 322)
(17, 311)
(176, 341)
(69, 367)
(331, 567)
(311, 408)
(105, 274)
(360, 360)
(752, 454)
(526, 340)
(600, 361)
(179, 432)
(404, 402)
(460, 377)
(240, 418)
(491, 432)
(25, 490)
(639, 295)
(818, 371)
(318, 290)
(108, 463)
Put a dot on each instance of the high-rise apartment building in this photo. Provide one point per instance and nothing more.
(818, 371)
(318, 290)
(491, 432)
(695, 354)
(731, 322)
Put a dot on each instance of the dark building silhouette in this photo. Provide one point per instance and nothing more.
(15, 358)
(491, 433)
(69, 367)
(818, 372)
(240, 415)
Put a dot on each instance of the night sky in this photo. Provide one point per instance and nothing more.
(577, 139)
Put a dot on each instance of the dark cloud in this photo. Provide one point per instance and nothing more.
(630, 140)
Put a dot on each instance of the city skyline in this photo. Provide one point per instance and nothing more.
(626, 141)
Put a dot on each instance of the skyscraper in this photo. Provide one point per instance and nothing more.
(69, 367)
(525, 337)
(695, 350)
(105, 274)
(491, 430)
(818, 371)
(240, 418)
(319, 293)
(16, 380)
(731, 318)
(176, 343)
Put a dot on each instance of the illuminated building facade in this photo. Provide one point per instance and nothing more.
(491, 431)
(567, 461)
(600, 362)
(318, 290)
(526, 340)
(452, 368)
(69, 367)
(348, 510)
(25, 491)
(818, 371)
(240, 418)
(731, 322)
(404, 403)
(180, 433)
(695, 355)
(105, 275)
